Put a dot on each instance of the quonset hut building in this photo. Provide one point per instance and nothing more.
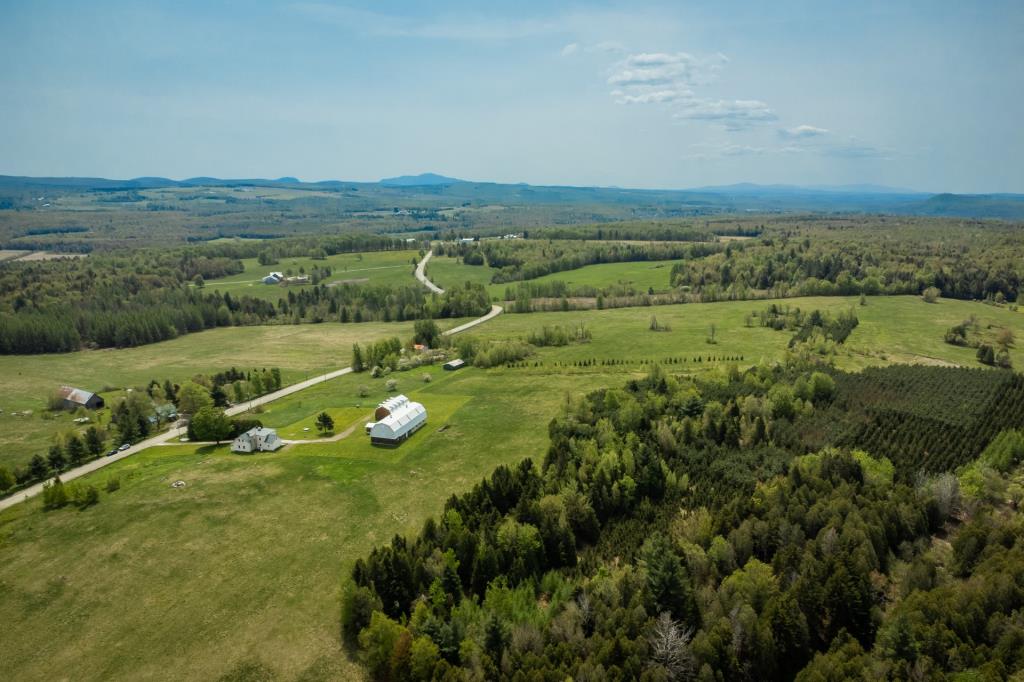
(397, 419)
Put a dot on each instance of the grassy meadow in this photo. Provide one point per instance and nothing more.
(241, 569)
(377, 267)
(891, 329)
(447, 272)
(641, 275)
(300, 351)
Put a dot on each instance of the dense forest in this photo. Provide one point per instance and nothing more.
(521, 259)
(146, 296)
(681, 529)
(848, 257)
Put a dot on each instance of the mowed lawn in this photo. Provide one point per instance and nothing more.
(244, 565)
(300, 351)
(377, 267)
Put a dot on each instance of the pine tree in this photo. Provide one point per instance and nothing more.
(55, 458)
(75, 449)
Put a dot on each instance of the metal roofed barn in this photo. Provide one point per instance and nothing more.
(397, 419)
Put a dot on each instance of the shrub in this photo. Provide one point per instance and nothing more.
(7, 480)
(931, 294)
(364, 391)
(113, 484)
(54, 494)
(391, 385)
(55, 402)
(427, 378)
(87, 496)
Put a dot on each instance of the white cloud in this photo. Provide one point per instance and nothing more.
(672, 78)
(569, 49)
(733, 114)
(651, 97)
(802, 132)
(606, 46)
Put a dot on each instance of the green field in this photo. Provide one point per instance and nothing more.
(892, 329)
(247, 563)
(641, 275)
(244, 565)
(300, 351)
(447, 272)
(377, 267)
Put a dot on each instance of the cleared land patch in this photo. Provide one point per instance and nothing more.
(377, 267)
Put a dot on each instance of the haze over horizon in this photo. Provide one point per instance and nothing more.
(919, 95)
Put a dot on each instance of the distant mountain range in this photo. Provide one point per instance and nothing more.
(431, 189)
(421, 180)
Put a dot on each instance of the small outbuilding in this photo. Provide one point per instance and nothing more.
(452, 365)
(75, 397)
(273, 278)
(397, 419)
(257, 439)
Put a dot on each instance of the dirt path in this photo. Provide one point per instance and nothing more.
(333, 439)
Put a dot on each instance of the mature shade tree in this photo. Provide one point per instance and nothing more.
(210, 424)
(192, 397)
(324, 422)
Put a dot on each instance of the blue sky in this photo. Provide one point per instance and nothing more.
(926, 95)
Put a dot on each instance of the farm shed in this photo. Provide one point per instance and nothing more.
(273, 278)
(257, 439)
(453, 365)
(75, 397)
(397, 419)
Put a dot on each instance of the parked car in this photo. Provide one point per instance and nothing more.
(124, 446)
(112, 453)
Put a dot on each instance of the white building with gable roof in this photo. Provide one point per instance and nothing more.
(397, 419)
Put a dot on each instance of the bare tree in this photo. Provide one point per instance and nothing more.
(670, 648)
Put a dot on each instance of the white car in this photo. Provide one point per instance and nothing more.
(124, 446)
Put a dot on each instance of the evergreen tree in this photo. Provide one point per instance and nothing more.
(55, 458)
(94, 441)
(75, 450)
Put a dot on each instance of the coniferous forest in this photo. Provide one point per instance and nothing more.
(682, 529)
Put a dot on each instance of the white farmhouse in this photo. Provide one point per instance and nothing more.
(397, 419)
(257, 439)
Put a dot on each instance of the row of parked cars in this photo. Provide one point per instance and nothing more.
(122, 448)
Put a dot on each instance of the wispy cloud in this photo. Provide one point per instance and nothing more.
(569, 49)
(733, 114)
(802, 132)
(673, 78)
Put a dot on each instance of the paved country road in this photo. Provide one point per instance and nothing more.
(72, 474)
(421, 275)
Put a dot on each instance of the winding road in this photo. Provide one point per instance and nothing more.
(177, 432)
(421, 274)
